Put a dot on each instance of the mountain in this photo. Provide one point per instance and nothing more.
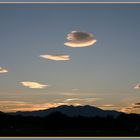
(71, 111)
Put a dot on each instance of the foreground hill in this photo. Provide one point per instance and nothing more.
(71, 111)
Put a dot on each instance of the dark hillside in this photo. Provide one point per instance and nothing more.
(60, 124)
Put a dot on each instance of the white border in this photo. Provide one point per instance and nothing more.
(70, 137)
(69, 2)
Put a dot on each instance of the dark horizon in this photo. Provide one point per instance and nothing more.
(58, 124)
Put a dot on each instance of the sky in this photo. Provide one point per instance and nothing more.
(69, 54)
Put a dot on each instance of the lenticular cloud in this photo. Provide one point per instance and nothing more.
(56, 57)
(137, 86)
(2, 70)
(80, 39)
(33, 84)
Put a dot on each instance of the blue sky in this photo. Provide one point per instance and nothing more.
(102, 74)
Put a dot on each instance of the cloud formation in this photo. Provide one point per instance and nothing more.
(109, 105)
(33, 85)
(80, 39)
(13, 106)
(131, 109)
(72, 99)
(56, 57)
(137, 86)
(126, 109)
(82, 99)
(2, 70)
(136, 105)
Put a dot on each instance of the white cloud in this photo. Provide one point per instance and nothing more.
(56, 57)
(73, 99)
(82, 99)
(2, 70)
(137, 86)
(80, 39)
(33, 85)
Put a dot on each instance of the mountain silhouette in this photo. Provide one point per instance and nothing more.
(69, 121)
(71, 111)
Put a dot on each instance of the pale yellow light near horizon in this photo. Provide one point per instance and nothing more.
(108, 105)
(13, 106)
(126, 109)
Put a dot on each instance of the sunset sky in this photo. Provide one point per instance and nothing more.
(74, 54)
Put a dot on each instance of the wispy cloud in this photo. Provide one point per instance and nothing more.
(82, 99)
(75, 89)
(126, 109)
(80, 39)
(137, 86)
(108, 105)
(33, 85)
(3, 70)
(13, 106)
(82, 94)
(72, 99)
(131, 109)
(136, 105)
(56, 57)
(24, 106)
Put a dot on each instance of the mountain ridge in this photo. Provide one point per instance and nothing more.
(71, 111)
